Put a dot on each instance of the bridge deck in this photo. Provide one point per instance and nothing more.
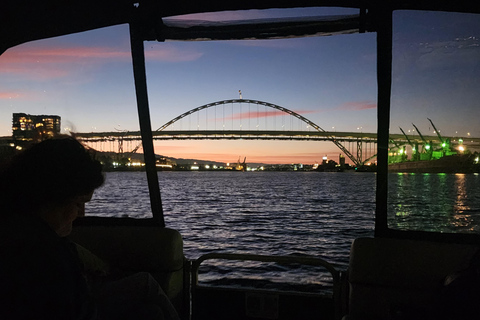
(265, 135)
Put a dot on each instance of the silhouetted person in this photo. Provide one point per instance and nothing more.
(42, 191)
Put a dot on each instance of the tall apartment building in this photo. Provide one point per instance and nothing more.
(32, 128)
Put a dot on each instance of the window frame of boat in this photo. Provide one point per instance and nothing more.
(381, 21)
(139, 33)
(384, 84)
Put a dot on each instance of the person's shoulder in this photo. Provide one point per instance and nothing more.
(38, 271)
(27, 242)
(24, 227)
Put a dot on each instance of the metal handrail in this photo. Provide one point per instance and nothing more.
(313, 261)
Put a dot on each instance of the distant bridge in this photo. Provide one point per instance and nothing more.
(249, 122)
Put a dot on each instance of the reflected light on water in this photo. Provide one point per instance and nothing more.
(460, 218)
(434, 202)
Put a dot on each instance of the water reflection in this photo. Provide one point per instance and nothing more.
(274, 213)
(434, 202)
(462, 218)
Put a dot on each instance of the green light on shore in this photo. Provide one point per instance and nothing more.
(444, 144)
(427, 146)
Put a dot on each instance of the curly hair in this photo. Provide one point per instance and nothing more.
(50, 172)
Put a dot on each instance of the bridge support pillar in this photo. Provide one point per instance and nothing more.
(120, 146)
(359, 150)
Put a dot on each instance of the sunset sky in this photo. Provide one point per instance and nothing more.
(87, 79)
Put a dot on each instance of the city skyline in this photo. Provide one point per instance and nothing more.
(87, 79)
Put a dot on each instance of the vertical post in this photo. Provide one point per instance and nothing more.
(359, 151)
(138, 58)
(384, 83)
(120, 146)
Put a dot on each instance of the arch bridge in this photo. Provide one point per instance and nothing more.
(245, 119)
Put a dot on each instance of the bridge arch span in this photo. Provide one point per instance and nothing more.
(267, 104)
(263, 103)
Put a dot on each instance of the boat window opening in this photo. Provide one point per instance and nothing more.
(434, 131)
(245, 166)
(86, 80)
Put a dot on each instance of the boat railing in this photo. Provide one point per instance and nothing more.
(284, 260)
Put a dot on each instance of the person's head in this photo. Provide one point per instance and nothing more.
(52, 179)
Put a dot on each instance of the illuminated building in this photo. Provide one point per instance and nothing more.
(32, 128)
(341, 160)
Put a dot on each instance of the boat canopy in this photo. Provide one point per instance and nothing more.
(25, 20)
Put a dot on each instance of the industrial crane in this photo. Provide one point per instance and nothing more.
(445, 143)
(437, 132)
(414, 146)
(427, 148)
(402, 153)
(241, 166)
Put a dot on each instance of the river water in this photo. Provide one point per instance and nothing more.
(288, 213)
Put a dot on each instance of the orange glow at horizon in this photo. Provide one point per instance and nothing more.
(268, 152)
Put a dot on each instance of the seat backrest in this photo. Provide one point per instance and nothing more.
(386, 275)
(132, 249)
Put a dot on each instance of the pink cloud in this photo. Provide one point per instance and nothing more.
(264, 114)
(358, 105)
(50, 63)
(59, 55)
(254, 115)
(41, 62)
(10, 95)
(75, 54)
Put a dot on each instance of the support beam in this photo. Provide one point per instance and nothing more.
(384, 82)
(359, 151)
(138, 58)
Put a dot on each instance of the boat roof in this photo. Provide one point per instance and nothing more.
(26, 20)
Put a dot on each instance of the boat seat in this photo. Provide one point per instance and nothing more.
(131, 249)
(387, 275)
